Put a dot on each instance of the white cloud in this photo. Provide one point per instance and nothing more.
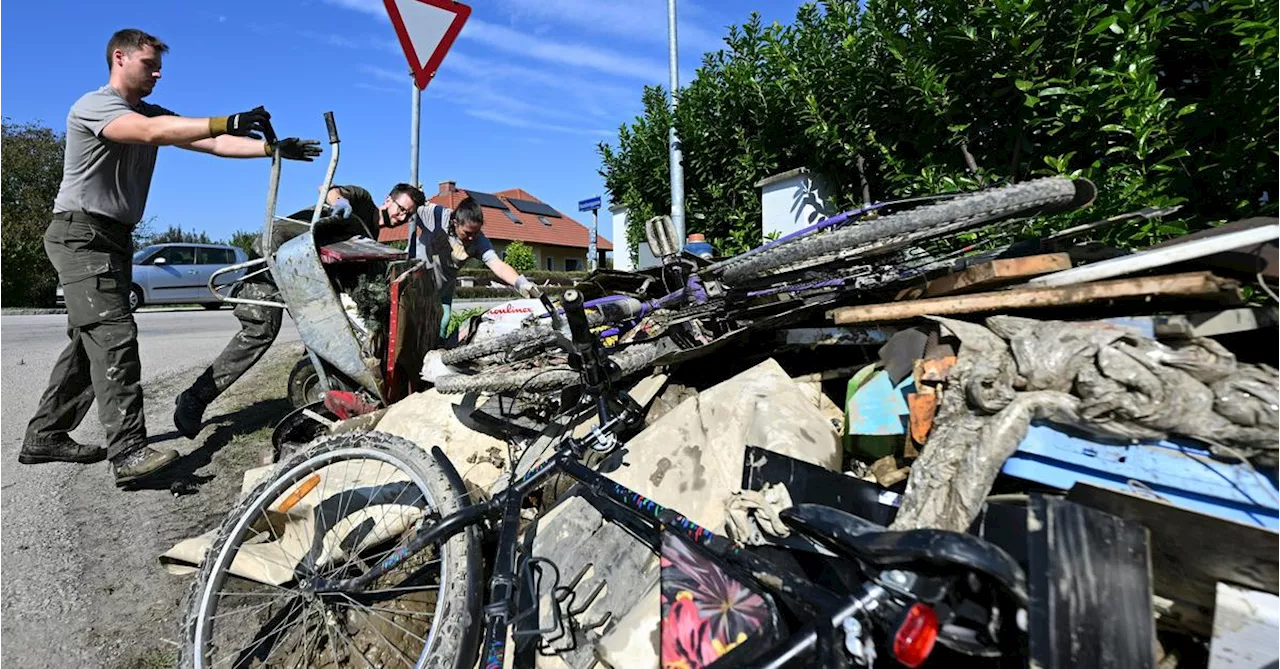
(633, 19)
(528, 124)
(516, 43)
(374, 7)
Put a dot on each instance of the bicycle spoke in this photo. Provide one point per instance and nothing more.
(407, 660)
(254, 648)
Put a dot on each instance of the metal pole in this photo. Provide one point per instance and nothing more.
(415, 125)
(677, 155)
(592, 252)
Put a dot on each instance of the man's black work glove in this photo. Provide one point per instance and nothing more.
(292, 148)
(253, 124)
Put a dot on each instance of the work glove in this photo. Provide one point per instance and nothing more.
(292, 148)
(254, 124)
(457, 250)
(340, 208)
(528, 288)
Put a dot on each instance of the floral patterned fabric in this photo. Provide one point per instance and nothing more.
(705, 611)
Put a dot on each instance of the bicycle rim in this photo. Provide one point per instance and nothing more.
(245, 623)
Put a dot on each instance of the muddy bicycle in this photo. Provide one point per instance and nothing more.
(789, 278)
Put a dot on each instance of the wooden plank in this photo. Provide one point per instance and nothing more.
(1192, 284)
(990, 275)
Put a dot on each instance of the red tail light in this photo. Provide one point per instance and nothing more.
(916, 635)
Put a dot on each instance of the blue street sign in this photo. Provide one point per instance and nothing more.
(588, 205)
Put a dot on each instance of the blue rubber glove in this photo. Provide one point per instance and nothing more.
(446, 314)
(341, 208)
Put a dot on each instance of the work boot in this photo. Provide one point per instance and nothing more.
(58, 448)
(189, 415)
(141, 463)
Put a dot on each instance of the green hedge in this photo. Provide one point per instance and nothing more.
(537, 276)
(1157, 102)
(483, 292)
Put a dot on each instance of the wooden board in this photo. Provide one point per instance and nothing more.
(990, 275)
(1192, 284)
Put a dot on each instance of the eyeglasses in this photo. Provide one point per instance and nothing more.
(401, 209)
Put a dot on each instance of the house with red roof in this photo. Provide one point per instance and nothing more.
(558, 241)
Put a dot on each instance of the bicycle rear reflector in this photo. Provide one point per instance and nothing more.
(916, 635)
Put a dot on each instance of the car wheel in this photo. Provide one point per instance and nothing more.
(135, 298)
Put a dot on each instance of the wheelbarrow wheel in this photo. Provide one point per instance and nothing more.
(330, 511)
(304, 383)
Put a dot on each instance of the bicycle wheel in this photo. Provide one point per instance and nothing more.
(538, 335)
(502, 379)
(897, 230)
(526, 340)
(332, 510)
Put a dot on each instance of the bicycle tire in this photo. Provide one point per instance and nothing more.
(538, 334)
(526, 337)
(896, 230)
(629, 360)
(449, 643)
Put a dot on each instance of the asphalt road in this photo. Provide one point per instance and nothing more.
(81, 585)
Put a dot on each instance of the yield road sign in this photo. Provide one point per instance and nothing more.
(426, 29)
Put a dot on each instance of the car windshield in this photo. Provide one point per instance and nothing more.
(139, 255)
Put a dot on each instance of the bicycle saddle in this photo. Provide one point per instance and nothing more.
(866, 541)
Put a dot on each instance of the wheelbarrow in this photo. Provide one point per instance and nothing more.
(346, 370)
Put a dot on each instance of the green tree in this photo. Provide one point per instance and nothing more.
(244, 239)
(1158, 103)
(520, 256)
(175, 233)
(31, 167)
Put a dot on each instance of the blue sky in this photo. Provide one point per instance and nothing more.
(528, 90)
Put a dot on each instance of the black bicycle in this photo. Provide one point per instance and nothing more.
(364, 549)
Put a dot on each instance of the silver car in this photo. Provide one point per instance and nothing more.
(178, 273)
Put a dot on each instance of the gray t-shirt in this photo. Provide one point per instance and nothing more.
(100, 176)
(431, 230)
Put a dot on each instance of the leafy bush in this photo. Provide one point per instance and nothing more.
(520, 256)
(485, 292)
(485, 275)
(30, 173)
(1158, 103)
(244, 240)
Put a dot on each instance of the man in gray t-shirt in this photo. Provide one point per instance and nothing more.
(112, 140)
(447, 239)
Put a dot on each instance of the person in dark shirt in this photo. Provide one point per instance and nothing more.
(259, 325)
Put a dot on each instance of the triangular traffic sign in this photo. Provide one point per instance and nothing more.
(426, 29)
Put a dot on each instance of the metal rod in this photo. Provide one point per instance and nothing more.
(415, 126)
(673, 140)
(592, 252)
(332, 127)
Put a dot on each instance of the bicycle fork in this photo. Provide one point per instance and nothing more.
(497, 614)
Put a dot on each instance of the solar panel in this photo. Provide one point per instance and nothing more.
(486, 199)
(531, 207)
